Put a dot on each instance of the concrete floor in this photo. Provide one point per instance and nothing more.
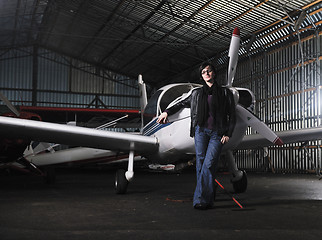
(82, 205)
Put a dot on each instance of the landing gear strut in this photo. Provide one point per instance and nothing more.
(122, 177)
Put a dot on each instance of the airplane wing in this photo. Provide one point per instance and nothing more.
(88, 117)
(77, 136)
(290, 136)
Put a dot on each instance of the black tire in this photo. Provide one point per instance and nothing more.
(120, 182)
(241, 185)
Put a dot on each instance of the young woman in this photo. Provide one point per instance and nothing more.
(212, 124)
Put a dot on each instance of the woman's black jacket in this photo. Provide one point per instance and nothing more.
(228, 121)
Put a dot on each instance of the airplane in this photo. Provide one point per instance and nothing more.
(163, 143)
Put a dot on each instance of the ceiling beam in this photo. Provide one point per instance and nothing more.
(147, 18)
(82, 8)
(104, 25)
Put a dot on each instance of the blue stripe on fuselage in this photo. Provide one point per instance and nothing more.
(153, 127)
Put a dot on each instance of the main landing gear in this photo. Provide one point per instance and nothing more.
(122, 177)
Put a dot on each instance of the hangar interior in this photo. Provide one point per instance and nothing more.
(88, 54)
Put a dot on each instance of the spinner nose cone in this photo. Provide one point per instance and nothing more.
(236, 32)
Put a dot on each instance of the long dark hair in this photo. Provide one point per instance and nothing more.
(211, 66)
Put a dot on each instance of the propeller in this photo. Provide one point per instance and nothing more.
(143, 97)
(9, 104)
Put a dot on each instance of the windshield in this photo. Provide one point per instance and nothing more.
(173, 93)
(150, 110)
(169, 96)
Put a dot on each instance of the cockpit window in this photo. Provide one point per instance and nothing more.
(150, 110)
(170, 95)
(173, 93)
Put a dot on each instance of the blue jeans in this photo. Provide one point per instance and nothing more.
(208, 148)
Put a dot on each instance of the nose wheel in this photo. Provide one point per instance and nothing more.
(240, 186)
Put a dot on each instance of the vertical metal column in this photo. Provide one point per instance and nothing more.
(34, 75)
(303, 82)
(318, 75)
(319, 83)
(265, 73)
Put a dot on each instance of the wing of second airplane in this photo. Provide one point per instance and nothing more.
(76, 136)
(290, 136)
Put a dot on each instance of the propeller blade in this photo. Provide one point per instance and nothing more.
(142, 87)
(258, 125)
(143, 97)
(9, 104)
(233, 56)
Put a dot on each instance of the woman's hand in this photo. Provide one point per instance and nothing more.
(162, 118)
(224, 139)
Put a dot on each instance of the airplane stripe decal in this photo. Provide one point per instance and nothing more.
(150, 125)
(153, 127)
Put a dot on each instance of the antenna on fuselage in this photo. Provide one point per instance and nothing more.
(143, 97)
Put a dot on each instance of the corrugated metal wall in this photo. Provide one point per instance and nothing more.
(16, 75)
(55, 80)
(288, 96)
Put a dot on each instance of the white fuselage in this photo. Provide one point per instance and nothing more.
(174, 138)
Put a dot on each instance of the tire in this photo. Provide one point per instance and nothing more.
(241, 185)
(120, 182)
